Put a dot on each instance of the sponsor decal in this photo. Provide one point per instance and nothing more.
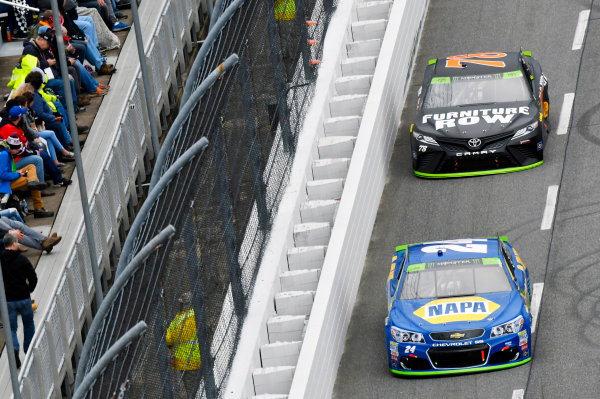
(525, 353)
(523, 337)
(392, 269)
(457, 335)
(524, 347)
(479, 341)
(473, 117)
(459, 61)
(456, 309)
(394, 358)
(446, 344)
(458, 247)
(468, 153)
(540, 145)
(414, 154)
(393, 345)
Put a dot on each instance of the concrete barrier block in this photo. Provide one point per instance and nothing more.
(273, 380)
(336, 147)
(342, 126)
(300, 280)
(330, 168)
(363, 48)
(347, 105)
(366, 30)
(359, 66)
(357, 84)
(373, 10)
(285, 328)
(325, 189)
(306, 257)
(307, 234)
(280, 354)
(294, 303)
(319, 211)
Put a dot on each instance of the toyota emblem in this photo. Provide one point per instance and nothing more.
(474, 143)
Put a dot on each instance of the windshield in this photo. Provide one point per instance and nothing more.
(460, 277)
(477, 89)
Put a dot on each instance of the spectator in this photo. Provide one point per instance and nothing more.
(20, 280)
(28, 236)
(42, 110)
(40, 48)
(21, 179)
(106, 11)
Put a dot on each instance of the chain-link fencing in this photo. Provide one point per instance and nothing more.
(247, 93)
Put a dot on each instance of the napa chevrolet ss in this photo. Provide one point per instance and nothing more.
(457, 306)
(479, 114)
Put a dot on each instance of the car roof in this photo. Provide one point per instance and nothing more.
(474, 64)
(453, 249)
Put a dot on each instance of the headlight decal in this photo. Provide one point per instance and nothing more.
(525, 131)
(400, 335)
(511, 327)
(424, 139)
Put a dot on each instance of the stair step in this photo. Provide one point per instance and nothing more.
(306, 257)
(363, 48)
(294, 303)
(347, 105)
(280, 354)
(330, 168)
(324, 189)
(307, 234)
(319, 211)
(336, 147)
(364, 65)
(286, 328)
(373, 10)
(342, 126)
(366, 30)
(300, 280)
(357, 84)
(273, 380)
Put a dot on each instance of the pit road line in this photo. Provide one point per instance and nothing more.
(565, 114)
(550, 207)
(584, 16)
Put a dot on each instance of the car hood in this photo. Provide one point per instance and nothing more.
(476, 120)
(478, 311)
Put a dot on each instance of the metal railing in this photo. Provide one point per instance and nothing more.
(47, 367)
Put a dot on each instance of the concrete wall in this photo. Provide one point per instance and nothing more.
(325, 335)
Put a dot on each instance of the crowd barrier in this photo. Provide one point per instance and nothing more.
(116, 161)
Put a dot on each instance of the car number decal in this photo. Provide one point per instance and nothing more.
(458, 61)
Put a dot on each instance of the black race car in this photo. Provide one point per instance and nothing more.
(480, 114)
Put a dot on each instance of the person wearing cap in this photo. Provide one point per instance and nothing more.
(25, 178)
(40, 48)
(183, 343)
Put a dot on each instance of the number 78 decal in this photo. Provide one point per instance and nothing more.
(458, 61)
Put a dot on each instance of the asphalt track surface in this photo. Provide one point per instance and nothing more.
(566, 257)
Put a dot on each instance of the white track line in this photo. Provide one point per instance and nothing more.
(550, 207)
(518, 394)
(584, 16)
(565, 114)
(536, 299)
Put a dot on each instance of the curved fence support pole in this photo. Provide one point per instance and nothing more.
(134, 333)
(216, 13)
(159, 240)
(206, 46)
(153, 195)
(184, 113)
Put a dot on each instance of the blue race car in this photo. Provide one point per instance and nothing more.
(457, 306)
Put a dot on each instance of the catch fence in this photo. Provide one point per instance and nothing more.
(246, 96)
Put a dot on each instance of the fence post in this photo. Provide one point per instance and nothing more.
(229, 237)
(256, 160)
(282, 112)
(198, 302)
(302, 35)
